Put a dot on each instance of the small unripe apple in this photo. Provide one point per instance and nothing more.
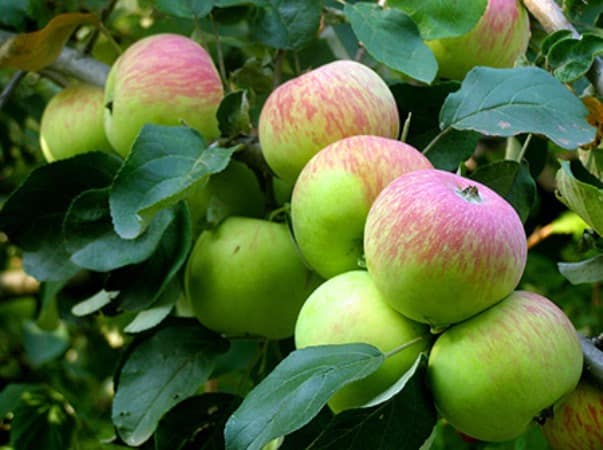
(493, 374)
(72, 123)
(307, 113)
(164, 79)
(577, 423)
(348, 309)
(497, 40)
(441, 247)
(245, 277)
(334, 192)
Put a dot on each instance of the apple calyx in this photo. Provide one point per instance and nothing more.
(470, 194)
(544, 415)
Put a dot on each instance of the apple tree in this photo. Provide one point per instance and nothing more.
(301, 224)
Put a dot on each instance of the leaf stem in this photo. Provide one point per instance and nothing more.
(11, 86)
(406, 127)
(402, 347)
(221, 64)
(436, 139)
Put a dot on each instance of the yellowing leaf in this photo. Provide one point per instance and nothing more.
(36, 50)
(595, 118)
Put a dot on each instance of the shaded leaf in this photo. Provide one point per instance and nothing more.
(233, 114)
(152, 316)
(296, 390)
(186, 9)
(165, 162)
(587, 271)
(161, 372)
(42, 346)
(393, 39)
(36, 50)
(572, 58)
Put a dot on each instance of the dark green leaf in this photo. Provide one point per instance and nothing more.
(512, 181)
(165, 162)
(186, 9)
(572, 58)
(506, 102)
(287, 24)
(32, 217)
(442, 18)
(393, 39)
(93, 242)
(11, 396)
(152, 316)
(233, 114)
(584, 12)
(161, 372)
(13, 12)
(452, 149)
(42, 346)
(587, 271)
(197, 422)
(296, 390)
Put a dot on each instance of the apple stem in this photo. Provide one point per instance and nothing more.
(402, 347)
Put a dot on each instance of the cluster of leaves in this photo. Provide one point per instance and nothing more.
(124, 225)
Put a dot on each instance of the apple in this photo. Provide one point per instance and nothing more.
(313, 110)
(72, 123)
(577, 422)
(245, 277)
(334, 192)
(493, 374)
(497, 40)
(348, 309)
(164, 79)
(233, 192)
(441, 247)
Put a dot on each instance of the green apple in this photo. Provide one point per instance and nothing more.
(72, 123)
(334, 192)
(348, 309)
(441, 247)
(246, 277)
(577, 422)
(493, 374)
(497, 40)
(233, 192)
(307, 113)
(164, 79)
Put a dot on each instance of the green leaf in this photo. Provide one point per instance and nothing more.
(287, 24)
(507, 102)
(186, 9)
(10, 396)
(93, 242)
(160, 309)
(512, 181)
(94, 303)
(13, 12)
(165, 162)
(161, 372)
(582, 193)
(197, 422)
(572, 58)
(233, 114)
(403, 422)
(393, 39)
(42, 346)
(33, 215)
(587, 271)
(583, 12)
(442, 18)
(295, 391)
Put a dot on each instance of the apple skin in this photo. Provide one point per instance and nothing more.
(72, 123)
(348, 309)
(246, 277)
(164, 79)
(494, 373)
(440, 252)
(577, 423)
(497, 40)
(307, 113)
(334, 192)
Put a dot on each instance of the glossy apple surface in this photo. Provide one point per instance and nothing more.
(164, 79)
(348, 309)
(491, 375)
(72, 123)
(246, 277)
(441, 247)
(334, 192)
(307, 113)
(497, 40)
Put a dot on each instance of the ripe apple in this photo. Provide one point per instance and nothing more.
(497, 40)
(307, 113)
(494, 373)
(348, 309)
(577, 423)
(164, 79)
(72, 123)
(246, 277)
(334, 192)
(233, 192)
(441, 247)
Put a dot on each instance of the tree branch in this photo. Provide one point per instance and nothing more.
(72, 63)
(593, 359)
(551, 17)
